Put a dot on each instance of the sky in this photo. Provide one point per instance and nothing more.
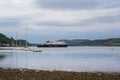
(60, 19)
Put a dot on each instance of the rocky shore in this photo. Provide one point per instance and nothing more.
(28, 74)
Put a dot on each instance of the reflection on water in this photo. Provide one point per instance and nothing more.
(71, 58)
(2, 56)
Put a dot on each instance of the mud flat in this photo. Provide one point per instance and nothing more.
(28, 74)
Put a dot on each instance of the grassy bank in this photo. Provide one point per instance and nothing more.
(27, 74)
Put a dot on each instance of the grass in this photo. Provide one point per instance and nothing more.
(28, 74)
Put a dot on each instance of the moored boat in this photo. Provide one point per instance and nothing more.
(53, 44)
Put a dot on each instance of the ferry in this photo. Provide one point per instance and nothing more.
(53, 44)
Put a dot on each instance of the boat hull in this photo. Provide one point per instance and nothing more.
(52, 45)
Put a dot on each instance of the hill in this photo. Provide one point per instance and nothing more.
(87, 42)
(6, 41)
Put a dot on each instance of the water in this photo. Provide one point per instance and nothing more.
(69, 59)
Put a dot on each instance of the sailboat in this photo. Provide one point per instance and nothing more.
(30, 49)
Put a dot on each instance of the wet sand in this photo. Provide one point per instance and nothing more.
(28, 74)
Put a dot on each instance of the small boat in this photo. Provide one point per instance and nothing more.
(53, 44)
(37, 50)
(34, 50)
(29, 49)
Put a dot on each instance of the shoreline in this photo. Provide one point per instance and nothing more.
(30, 74)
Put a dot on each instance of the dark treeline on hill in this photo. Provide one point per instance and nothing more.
(6, 41)
(99, 42)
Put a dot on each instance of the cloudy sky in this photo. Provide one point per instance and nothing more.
(60, 19)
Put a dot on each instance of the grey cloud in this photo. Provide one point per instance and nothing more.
(67, 4)
(76, 4)
(100, 20)
(110, 4)
(13, 21)
(55, 23)
(113, 5)
(105, 19)
(10, 22)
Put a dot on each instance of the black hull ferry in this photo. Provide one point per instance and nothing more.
(53, 44)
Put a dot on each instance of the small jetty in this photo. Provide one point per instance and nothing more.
(21, 48)
(6, 48)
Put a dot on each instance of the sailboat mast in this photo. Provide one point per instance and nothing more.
(16, 50)
(26, 47)
(16, 38)
(26, 36)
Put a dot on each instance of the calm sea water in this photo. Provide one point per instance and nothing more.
(70, 59)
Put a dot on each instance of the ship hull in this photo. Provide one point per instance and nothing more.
(52, 45)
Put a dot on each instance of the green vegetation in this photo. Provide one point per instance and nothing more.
(86, 42)
(6, 41)
(28, 74)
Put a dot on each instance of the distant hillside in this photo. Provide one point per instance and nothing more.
(21, 42)
(87, 42)
(6, 41)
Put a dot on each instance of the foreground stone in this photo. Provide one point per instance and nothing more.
(28, 74)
